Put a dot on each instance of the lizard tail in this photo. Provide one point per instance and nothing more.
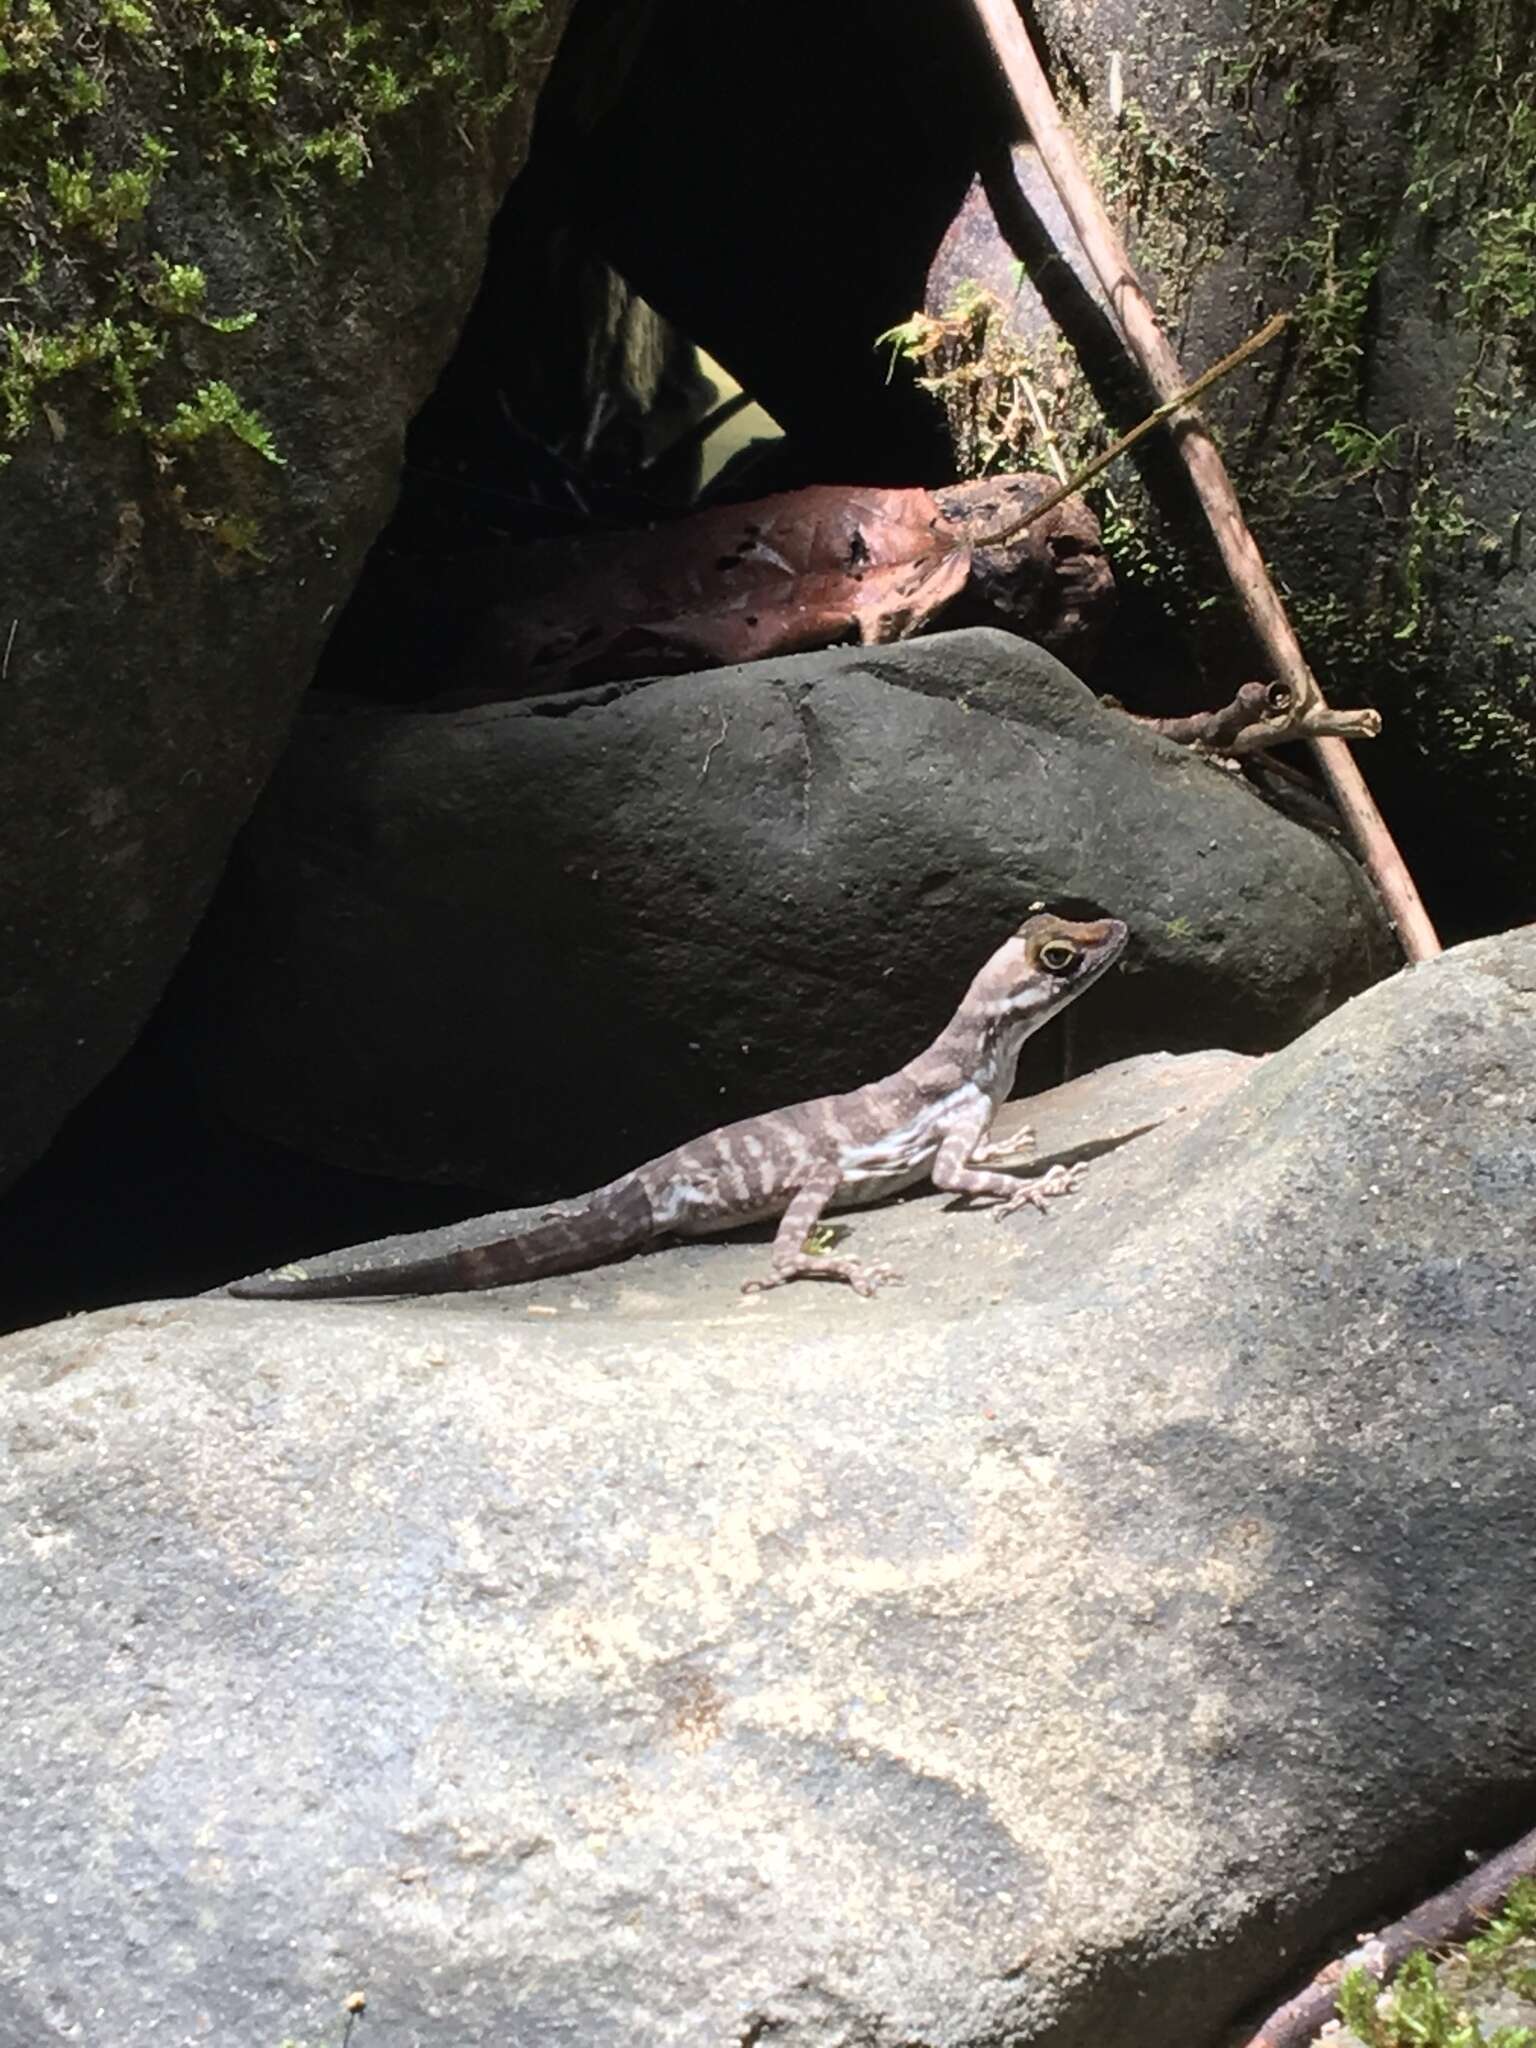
(505, 1248)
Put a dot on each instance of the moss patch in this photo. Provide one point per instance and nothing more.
(1464, 71)
(1459, 2001)
(1012, 402)
(995, 390)
(1434, 212)
(108, 108)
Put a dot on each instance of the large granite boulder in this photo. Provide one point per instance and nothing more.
(1051, 1651)
(445, 934)
(235, 259)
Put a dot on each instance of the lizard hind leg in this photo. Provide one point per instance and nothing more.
(791, 1260)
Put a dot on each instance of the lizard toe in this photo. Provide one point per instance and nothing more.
(1039, 1193)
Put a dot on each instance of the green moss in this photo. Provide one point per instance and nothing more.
(983, 375)
(217, 409)
(342, 148)
(1465, 164)
(1171, 210)
(1334, 267)
(1175, 220)
(1474, 165)
(115, 356)
(278, 99)
(1012, 403)
(95, 207)
(127, 17)
(1514, 1923)
(180, 291)
(1418, 2011)
(239, 534)
(1431, 2004)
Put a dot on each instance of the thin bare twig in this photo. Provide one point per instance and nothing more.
(1258, 716)
(1166, 410)
(1308, 715)
(1449, 1916)
(1048, 440)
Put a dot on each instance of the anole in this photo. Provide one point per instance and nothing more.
(930, 1118)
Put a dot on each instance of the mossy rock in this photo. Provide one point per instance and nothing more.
(1371, 166)
(238, 247)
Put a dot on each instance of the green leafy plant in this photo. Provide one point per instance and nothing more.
(1515, 1921)
(117, 355)
(994, 391)
(128, 17)
(1337, 271)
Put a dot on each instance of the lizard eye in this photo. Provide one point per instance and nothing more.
(1058, 956)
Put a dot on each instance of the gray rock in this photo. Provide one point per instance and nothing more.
(164, 600)
(1049, 1652)
(1095, 1112)
(446, 933)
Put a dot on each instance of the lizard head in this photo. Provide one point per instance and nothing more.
(1037, 972)
(1049, 960)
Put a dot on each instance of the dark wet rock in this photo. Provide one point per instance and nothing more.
(167, 587)
(448, 936)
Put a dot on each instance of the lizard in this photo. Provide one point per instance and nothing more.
(930, 1118)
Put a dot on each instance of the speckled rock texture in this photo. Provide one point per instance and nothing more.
(319, 200)
(1048, 1651)
(749, 887)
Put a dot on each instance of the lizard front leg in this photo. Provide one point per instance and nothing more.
(791, 1260)
(955, 1172)
(1009, 1151)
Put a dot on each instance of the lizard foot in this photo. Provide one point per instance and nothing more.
(1007, 1151)
(863, 1276)
(1038, 1193)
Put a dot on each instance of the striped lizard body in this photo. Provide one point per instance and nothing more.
(927, 1120)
